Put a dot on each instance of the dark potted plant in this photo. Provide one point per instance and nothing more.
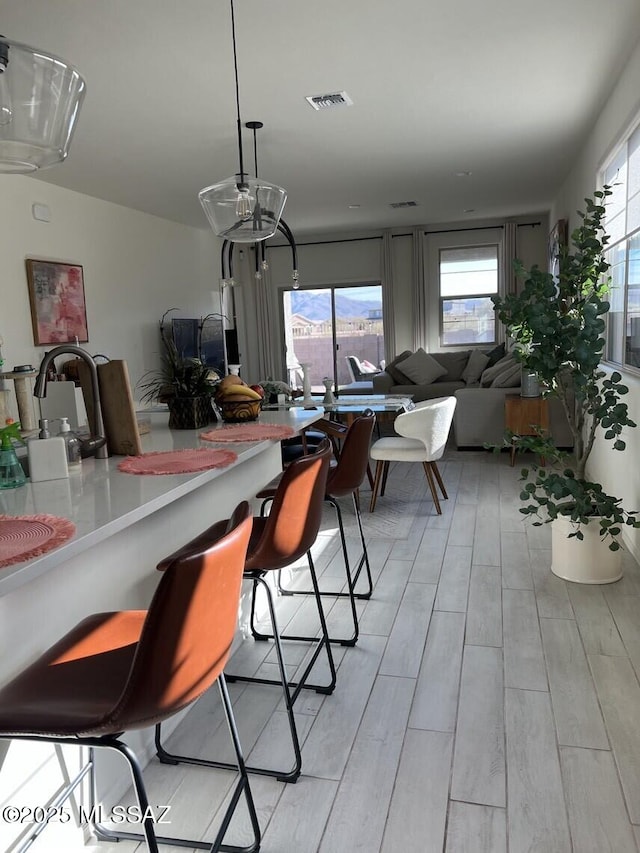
(184, 384)
(558, 327)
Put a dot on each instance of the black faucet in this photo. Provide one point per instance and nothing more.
(95, 444)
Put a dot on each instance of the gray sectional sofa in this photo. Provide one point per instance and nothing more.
(480, 392)
(393, 381)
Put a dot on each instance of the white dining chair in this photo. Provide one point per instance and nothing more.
(422, 437)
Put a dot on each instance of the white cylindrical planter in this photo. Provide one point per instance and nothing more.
(587, 561)
(529, 385)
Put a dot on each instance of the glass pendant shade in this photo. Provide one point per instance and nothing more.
(40, 98)
(243, 211)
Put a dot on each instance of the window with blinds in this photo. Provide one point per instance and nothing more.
(622, 224)
(468, 279)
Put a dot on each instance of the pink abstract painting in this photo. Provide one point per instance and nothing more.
(58, 310)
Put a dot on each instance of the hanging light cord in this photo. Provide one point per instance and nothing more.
(235, 66)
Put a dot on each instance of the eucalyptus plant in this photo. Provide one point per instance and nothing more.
(558, 326)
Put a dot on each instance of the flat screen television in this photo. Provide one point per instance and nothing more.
(205, 343)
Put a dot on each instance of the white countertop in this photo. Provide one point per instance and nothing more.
(101, 501)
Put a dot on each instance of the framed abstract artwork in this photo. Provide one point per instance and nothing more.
(56, 297)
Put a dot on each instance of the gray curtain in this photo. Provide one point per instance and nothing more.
(509, 254)
(268, 347)
(388, 310)
(419, 290)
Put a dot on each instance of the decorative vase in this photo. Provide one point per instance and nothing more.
(328, 399)
(529, 384)
(190, 412)
(306, 383)
(589, 560)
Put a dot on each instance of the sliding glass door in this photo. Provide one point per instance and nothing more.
(337, 330)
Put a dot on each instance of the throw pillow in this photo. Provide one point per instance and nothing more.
(395, 374)
(455, 362)
(422, 368)
(496, 354)
(478, 362)
(509, 378)
(367, 367)
(491, 372)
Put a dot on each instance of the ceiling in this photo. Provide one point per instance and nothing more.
(503, 89)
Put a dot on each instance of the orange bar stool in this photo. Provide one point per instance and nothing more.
(278, 540)
(127, 670)
(345, 477)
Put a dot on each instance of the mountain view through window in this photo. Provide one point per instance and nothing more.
(325, 326)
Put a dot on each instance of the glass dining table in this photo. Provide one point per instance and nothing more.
(347, 407)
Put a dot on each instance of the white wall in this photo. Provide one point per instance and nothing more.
(136, 266)
(616, 471)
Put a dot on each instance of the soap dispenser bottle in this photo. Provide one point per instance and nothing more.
(72, 444)
(47, 456)
(11, 473)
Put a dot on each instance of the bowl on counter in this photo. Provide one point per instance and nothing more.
(240, 411)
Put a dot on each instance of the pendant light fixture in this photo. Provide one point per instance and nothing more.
(261, 264)
(40, 98)
(242, 209)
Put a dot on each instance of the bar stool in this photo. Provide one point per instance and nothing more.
(299, 445)
(126, 670)
(344, 480)
(278, 540)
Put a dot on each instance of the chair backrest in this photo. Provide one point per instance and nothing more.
(359, 371)
(203, 541)
(354, 367)
(430, 422)
(347, 476)
(295, 516)
(188, 630)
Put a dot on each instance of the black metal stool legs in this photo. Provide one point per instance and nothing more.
(148, 835)
(323, 641)
(141, 796)
(241, 788)
(52, 806)
(352, 578)
(290, 775)
(290, 689)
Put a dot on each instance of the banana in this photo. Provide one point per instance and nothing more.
(238, 398)
(238, 391)
(231, 379)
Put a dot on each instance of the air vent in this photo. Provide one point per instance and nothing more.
(398, 204)
(329, 101)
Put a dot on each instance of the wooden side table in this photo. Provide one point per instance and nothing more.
(522, 415)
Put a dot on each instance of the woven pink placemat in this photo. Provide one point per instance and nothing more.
(25, 536)
(248, 432)
(177, 461)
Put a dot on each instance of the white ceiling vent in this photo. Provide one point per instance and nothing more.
(398, 204)
(329, 101)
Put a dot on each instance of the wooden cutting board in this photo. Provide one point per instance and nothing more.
(118, 411)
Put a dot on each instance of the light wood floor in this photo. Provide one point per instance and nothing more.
(488, 706)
